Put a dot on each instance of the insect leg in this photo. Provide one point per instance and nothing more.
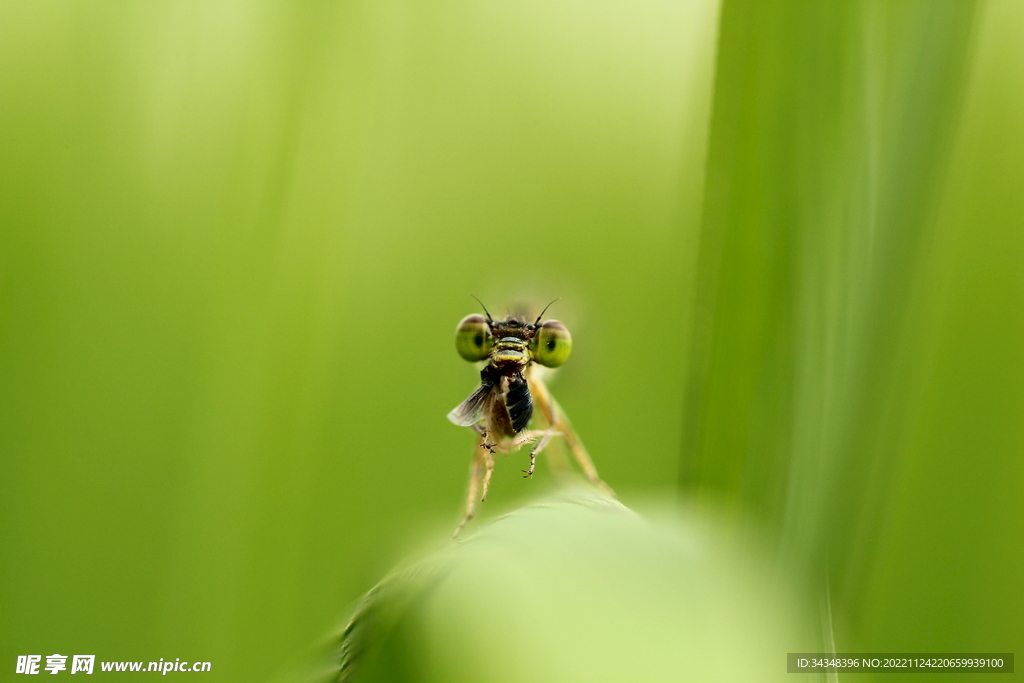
(488, 449)
(583, 459)
(557, 461)
(489, 463)
(559, 423)
(476, 474)
(484, 443)
(545, 438)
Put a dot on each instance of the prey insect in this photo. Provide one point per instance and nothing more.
(511, 392)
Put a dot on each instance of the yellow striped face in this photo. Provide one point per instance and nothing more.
(511, 350)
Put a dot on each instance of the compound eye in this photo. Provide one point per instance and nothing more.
(552, 344)
(473, 338)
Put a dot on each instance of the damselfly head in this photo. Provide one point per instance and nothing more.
(514, 340)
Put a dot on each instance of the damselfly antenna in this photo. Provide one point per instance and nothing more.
(489, 318)
(541, 313)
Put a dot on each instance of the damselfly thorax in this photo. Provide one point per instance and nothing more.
(502, 407)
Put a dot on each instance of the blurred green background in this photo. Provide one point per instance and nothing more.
(235, 239)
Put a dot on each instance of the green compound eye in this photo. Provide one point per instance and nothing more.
(473, 338)
(552, 344)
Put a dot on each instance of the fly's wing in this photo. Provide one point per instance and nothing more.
(469, 412)
(519, 403)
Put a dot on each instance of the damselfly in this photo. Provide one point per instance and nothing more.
(501, 408)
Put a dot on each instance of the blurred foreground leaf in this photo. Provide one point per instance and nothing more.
(575, 589)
